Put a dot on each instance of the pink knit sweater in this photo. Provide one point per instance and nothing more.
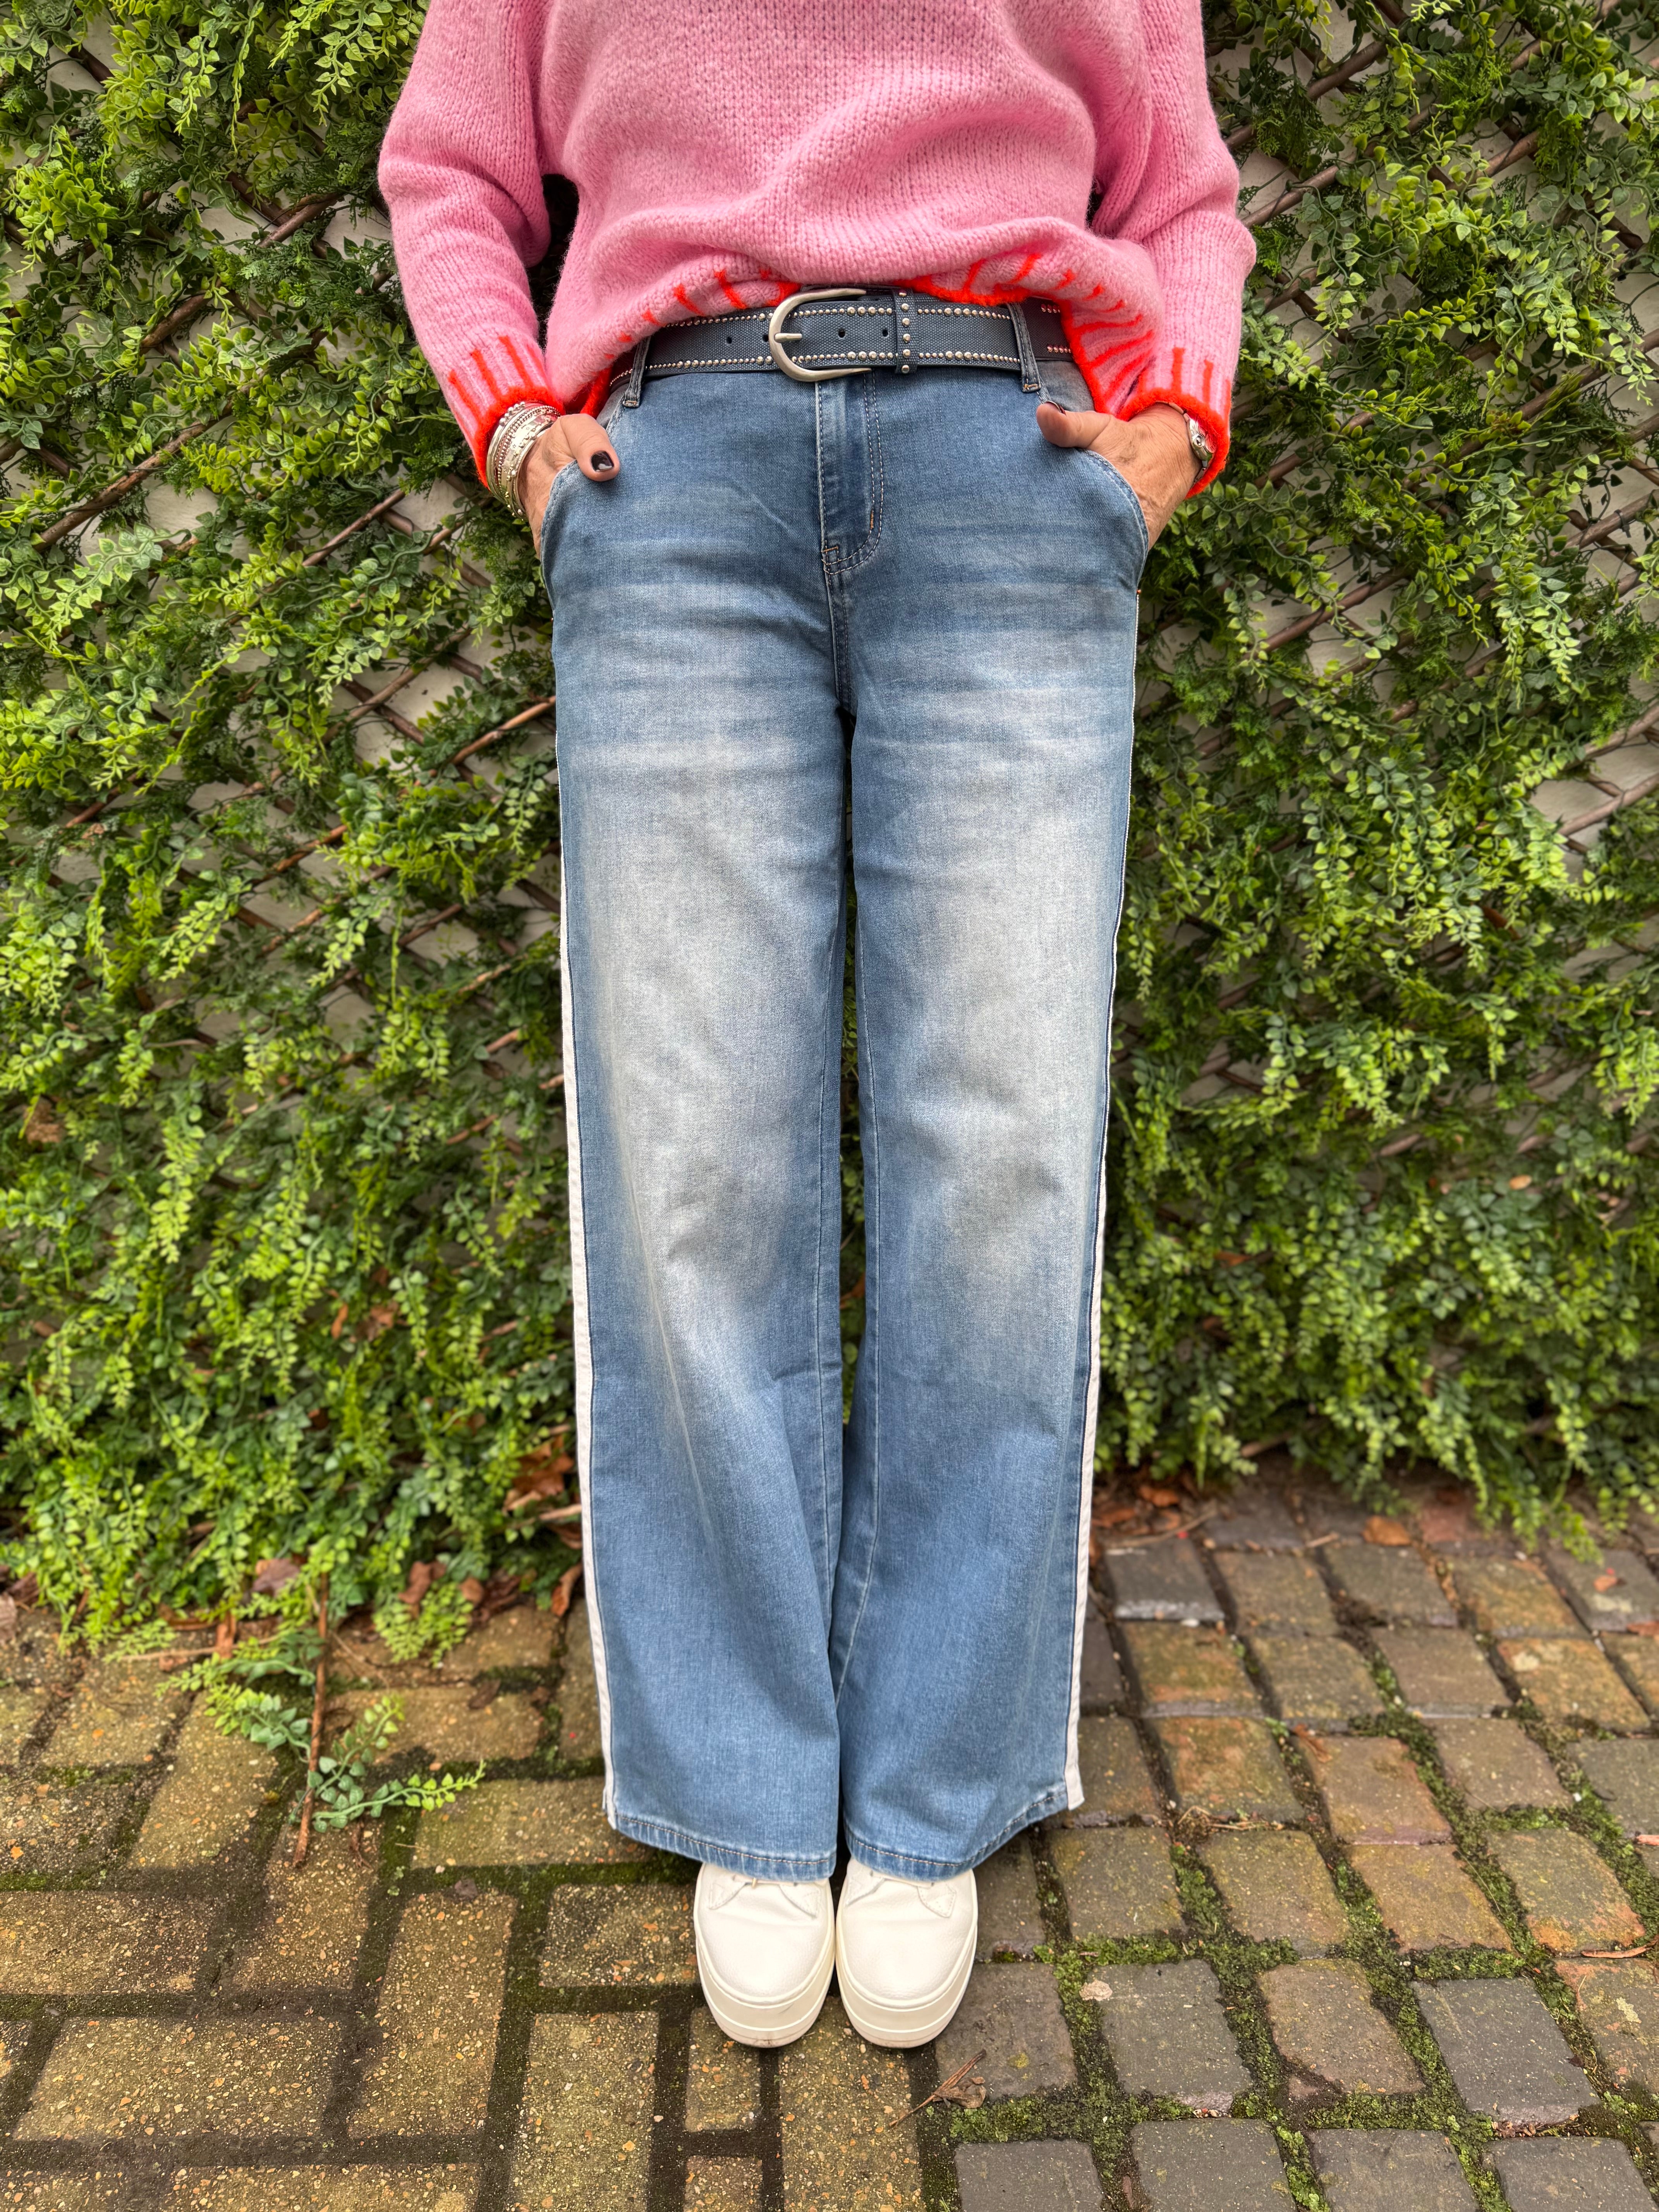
(726, 152)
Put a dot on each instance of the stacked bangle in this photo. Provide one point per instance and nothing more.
(510, 442)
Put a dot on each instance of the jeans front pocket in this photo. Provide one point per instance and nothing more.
(558, 485)
(1125, 499)
(612, 420)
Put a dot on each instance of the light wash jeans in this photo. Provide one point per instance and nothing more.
(885, 600)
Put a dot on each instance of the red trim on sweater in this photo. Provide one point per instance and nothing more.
(964, 295)
(1202, 404)
(478, 416)
(1126, 357)
(528, 365)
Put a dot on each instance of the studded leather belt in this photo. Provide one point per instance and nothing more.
(812, 337)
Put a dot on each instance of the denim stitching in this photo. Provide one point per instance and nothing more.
(628, 1824)
(1051, 1801)
(828, 1082)
(837, 645)
(849, 564)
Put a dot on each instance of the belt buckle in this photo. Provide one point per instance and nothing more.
(777, 337)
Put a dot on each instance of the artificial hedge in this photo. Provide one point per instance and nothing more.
(283, 1257)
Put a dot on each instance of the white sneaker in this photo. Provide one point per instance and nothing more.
(765, 1950)
(903, 1951)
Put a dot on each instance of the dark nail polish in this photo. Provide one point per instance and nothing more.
(603, 464)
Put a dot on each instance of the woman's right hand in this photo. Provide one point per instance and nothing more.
(575, 441)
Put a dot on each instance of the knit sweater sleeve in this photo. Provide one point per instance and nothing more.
(1180, 204)
(461, 174)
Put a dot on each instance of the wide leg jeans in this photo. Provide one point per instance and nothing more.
(883, 602)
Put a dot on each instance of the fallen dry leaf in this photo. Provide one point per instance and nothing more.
(1157, 1494)
(564, 1590)
(271, 1575)
(502, 1592)
(421, 1576)
(1607, 1580)
(1167, 1525)
(551, 1458)
(1095, 1992)
(485, 1694)
(1381, 1529)
(224, 1639)
(1639, 1951)
(1109, 1517)
(1647, 1839)
(43, 1126)
(548, 1482)
(377, 1321)
(964, 2088)
(1644, 1628)
(472, 1590)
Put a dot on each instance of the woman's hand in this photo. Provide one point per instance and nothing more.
(575, 441)
(1152, 452)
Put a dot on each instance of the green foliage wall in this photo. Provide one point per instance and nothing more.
(283, 1258)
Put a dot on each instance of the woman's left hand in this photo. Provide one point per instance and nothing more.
(1152, 454)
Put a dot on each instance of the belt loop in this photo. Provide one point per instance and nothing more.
(1029, 379)
(636, 373)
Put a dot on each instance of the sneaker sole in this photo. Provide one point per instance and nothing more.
(761, 2026)
(902, 2028)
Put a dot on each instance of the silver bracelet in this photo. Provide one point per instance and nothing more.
(511, 443)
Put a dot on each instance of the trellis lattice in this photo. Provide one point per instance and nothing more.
(282, 1248)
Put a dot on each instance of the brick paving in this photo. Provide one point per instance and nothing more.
(1355, 1914)
(1315, 1680)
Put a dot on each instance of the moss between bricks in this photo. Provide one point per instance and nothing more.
(1096, 2112)
(1107, 2116)
(1096, 2109)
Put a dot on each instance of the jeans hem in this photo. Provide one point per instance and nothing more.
(764, 1866)
(909, 1867)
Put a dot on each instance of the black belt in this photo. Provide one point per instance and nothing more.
(814, 336)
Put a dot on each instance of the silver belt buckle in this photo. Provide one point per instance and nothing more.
(777, 337)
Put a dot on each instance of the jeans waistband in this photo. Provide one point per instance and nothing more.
(883, 327)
